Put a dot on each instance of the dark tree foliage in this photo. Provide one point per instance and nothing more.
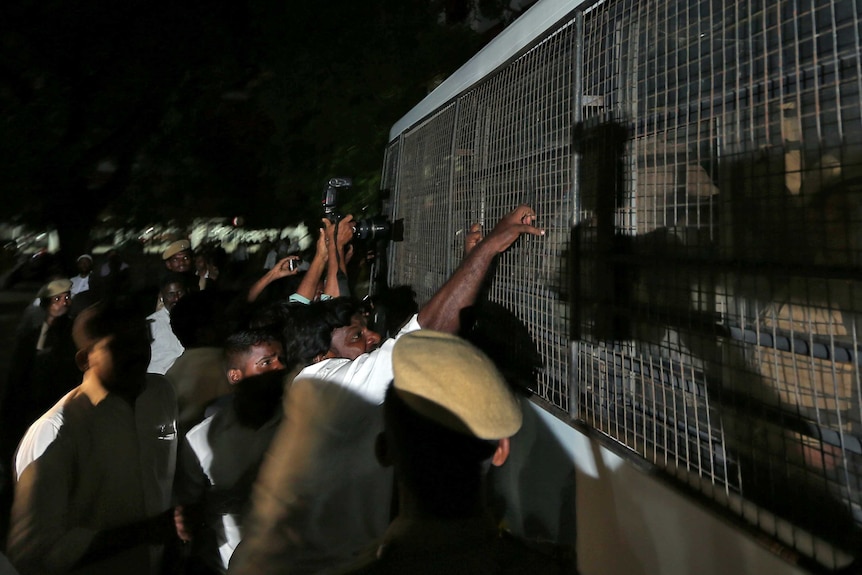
(156, 110)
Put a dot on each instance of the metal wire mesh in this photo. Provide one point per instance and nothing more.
(697, 299)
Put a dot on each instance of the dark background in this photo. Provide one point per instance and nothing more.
(161, 111)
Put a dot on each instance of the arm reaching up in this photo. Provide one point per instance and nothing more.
(443, 310)
(280, 270)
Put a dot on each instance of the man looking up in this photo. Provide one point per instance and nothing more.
(351, 509)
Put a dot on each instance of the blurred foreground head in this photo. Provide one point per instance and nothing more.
(114, 341)
(447, 414)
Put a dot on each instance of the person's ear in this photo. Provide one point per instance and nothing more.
(502, 452)
(381, 450)
(234, 375)
(82, 359)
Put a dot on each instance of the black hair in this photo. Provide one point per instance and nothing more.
(240, 342)
(174, 278)
(107, 318)
(314, 335)
(307, 328)
(441, 467)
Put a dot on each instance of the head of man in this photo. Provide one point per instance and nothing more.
(199, 318)
(351, 336)
(448, 414)
(114, 342)
(252, 352)
(332, 328)
(55, 298)
(201, 263)
(178, 256)
(85, 265)
(174, 287)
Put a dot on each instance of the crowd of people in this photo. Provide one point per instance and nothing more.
(203, 428)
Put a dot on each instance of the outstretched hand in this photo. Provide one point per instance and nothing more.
(442, 312)
(510, 227)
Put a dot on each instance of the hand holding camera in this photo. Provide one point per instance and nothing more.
(288, 266)
(374, 228)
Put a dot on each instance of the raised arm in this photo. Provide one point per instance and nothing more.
(278, 271)
(308, 286)
(336, 268)
(443, 310)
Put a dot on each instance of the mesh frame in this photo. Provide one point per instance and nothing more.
(696, 299)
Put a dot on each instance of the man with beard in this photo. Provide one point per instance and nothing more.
(219, 458)
(95, 472)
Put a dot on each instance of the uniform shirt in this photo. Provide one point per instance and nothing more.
(320, 481)
(165, 348)
(470, 546)
(84, 468)
(217, 465)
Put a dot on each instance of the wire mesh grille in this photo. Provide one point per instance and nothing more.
(697, 164)
(511, 144)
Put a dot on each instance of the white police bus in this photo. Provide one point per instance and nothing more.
(689, 324)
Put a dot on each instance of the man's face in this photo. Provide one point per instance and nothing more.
(261, 358)
(85, 266)
(59, 305)
(353, 340)
(171, 294)
(180, 262)
(201, 264)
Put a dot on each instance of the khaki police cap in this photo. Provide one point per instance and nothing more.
(175, 248)
(447, 380)
(54, 288)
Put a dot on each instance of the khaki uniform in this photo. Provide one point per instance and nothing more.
(469, 546)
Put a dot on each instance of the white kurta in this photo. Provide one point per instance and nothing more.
(165, 348)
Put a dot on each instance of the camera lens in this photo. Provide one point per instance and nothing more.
(372, 228)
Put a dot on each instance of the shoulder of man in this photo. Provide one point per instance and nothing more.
(39, 436)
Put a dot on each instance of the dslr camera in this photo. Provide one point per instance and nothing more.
(374, 228)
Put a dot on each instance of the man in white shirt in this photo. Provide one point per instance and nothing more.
(81, 282)
(166, 347)
(342, 504)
